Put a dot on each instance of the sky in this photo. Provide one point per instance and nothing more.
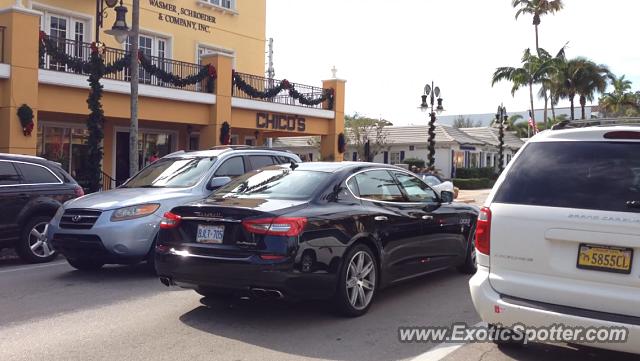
(388, 50)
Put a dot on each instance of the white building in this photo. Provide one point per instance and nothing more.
(455, 148)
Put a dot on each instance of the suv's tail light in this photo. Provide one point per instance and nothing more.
(278, 226)
(78, 191)
(170, 221)
(483, 231)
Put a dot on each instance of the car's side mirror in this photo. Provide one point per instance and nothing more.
(217, 182)
(446, 196)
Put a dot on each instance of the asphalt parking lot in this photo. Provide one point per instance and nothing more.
(53, 312)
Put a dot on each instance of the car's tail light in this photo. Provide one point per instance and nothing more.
(272, 257)
(78, 191)
(170, 221)
(278, 226)
(483, 231)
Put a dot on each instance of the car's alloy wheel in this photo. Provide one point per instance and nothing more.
(34, 246)
(360, 280)
(470, 265)
(38, 242)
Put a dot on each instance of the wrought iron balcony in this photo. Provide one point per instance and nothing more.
(263, 84)
(82, 51)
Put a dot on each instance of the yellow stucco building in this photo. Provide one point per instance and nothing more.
(178, 36)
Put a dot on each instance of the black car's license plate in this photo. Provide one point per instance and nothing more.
(605, 258)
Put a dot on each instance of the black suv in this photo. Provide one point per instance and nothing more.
(31, 191)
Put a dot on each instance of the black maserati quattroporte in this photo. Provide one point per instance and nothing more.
(338, 231)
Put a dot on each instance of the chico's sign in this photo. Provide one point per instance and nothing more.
(280, 122)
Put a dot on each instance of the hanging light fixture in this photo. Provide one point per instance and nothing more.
(120, 30)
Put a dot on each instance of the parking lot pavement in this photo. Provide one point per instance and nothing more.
(124, 313)
(476, 196)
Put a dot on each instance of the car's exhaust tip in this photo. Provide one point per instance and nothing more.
(167, 281)
(266, 293)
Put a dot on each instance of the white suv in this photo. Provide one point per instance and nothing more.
(558, 239)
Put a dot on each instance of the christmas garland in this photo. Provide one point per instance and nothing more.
(97, 69)
(48, 46)
(206, 72)
(327, 94)
(431, 143)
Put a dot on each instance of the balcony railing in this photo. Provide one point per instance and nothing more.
(83, 51)
(261, 84)
(2, 28)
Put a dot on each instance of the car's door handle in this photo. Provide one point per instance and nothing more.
(427, 218)
(381, 218)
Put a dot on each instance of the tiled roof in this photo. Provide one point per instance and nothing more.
(419, 134)
(489, 135)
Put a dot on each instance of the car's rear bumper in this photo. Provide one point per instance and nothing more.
(241, 276)
(494, 308)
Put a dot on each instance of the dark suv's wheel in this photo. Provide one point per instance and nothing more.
(33, 246)
(357, 282)
(85, 264)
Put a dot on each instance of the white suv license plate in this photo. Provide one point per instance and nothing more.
(210, 234)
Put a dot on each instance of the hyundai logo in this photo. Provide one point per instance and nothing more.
(76, 218)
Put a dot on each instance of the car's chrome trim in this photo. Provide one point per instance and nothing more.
(30, 184)
(175, 252)
(385, 169)
(211, 219)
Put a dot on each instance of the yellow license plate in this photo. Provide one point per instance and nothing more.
(605, 258)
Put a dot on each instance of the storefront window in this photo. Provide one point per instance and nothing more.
(474, 160)
(65, 145)
(54, 143)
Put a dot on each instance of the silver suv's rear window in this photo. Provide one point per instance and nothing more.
(587, 175)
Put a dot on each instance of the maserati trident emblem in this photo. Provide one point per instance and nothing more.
(76, 219)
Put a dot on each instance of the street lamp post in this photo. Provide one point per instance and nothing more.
(501, 118)
(432, 92)
(121, 31)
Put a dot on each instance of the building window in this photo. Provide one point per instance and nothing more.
(394, 157)
(458, 159)
(251, 141)
(69, 32)
(226, 4)
(154, 47)
(412, 147)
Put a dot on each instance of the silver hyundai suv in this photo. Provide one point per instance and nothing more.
(119, 226)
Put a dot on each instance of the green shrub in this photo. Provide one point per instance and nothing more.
(418, 163)
(469, 173)
(473, 183)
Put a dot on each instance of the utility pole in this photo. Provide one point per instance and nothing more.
(271, 73)
(135, 76)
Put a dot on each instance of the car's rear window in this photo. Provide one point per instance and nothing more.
(587, 175)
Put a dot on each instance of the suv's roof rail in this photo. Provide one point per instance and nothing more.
(176, 153)
(597, 122)
(246, 147)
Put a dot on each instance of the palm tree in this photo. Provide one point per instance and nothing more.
(593, 79)
(533, 70)
(569, 81)
(619, 101)
(546, 90)
(537, 8)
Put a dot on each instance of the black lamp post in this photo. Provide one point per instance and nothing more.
(501, 118)
(119, 30)
(432, 92)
